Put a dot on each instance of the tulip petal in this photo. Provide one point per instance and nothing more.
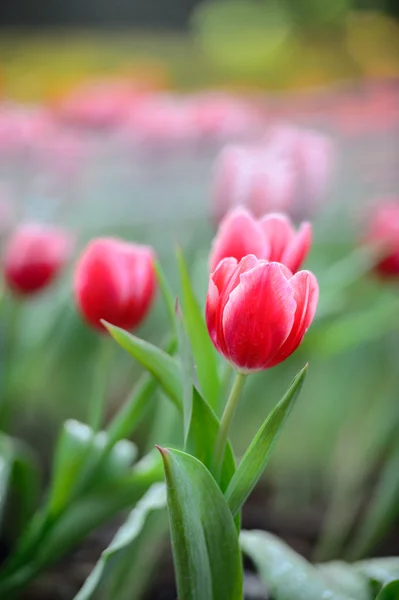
(223, 273)
(279, 232)
(218, 281)
(239, 234)
(230, 282)
(258, 316)
(306, 295)
(296, 252)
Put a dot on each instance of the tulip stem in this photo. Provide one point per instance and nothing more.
(225, 422)
(102, 367)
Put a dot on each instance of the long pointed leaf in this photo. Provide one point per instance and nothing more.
(133, 410)
(202, 348)
(166, 292)
(205, 546)
(187, 365)
(383, 508)
(202, 434)
(255, 459)
(162, 366)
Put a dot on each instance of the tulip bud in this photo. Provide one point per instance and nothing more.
(34, 257)
(272, 238)
(384, 233)
(257, 312)
(115, 281)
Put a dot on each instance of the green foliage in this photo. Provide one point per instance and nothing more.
(162, 366)
(204, 353)
(254, 461)
(127, 535)
(205, 546)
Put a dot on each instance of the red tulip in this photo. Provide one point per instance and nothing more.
(34, 256)
(115, 281)
(253, 177)
(272, 237)
(384, 232)
(257, 312)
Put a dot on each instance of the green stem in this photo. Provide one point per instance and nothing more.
(225, 423)
(102, 368)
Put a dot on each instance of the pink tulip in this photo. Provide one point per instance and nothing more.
(257, 312)
(272, 238)
(34, 257)
(251, 176)
(312, 159)
(115, 281)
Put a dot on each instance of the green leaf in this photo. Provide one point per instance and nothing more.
(379, 571)
(345, 579)
(383, 508)
(82, 517)
(137, 568)
(186, 360)
(162, 366)
(255, 459)
(201, 438)
(83, 460)
(25, 483)
(166, 292)
(74, 445)
(126, 536)
(19, 480)
(203, 351)
(205, 546)
(80, 466)
(132, 411)
(285, 573)
(390, 591)
(6, 464)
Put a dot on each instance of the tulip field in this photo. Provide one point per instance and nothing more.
(199, 341)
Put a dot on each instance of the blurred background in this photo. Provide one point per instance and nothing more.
(114, 120)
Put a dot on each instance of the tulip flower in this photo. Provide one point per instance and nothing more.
(312, 160)
(34, 257)
(258, 312)
(251, 176)
(384, 232)
(272, 238)
(115, 281)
